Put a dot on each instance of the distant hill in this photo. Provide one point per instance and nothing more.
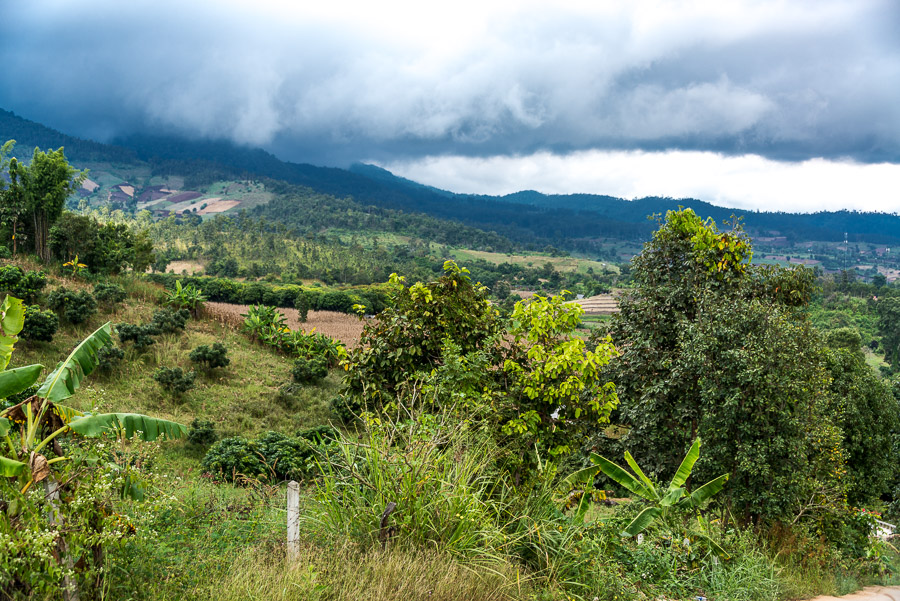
(572, 221)
(29, 135)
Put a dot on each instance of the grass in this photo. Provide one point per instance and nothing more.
(561, 264)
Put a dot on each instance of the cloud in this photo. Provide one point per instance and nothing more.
(330, 83)
(745, 182)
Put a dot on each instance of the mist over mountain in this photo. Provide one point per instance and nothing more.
(575, 221)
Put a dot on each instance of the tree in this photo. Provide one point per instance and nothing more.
(889, 327)
(46, 183)
(715, 347)
(12, 196)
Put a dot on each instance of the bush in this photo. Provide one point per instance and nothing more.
(166, 321)
(272, 456)
(202, 433)
(109, 294)
(141, 336)
(346, 408)
(174, 380)
(73, 306)
(211, 356)
(39, 325)
(233, 457)
(109, 357)
(308, 371)
(302, 305)
(21, 284)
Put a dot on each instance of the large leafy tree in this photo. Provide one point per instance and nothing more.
(713, 346)
(45, 184)
(889, 327)
(12, 195)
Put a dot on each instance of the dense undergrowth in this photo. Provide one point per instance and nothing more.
(464, 527)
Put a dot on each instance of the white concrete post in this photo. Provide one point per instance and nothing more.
(293, 520)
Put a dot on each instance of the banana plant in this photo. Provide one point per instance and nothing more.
(664, 500)
(30, 426)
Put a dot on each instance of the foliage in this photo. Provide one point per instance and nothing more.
(309, 370)
(202, 432)
(109, 294)
(109, 357)
(45, 184)
(888, 310)
(557, 385)
(39, 325)
(868, 416)
(271, 456)
(26, 285)
(716, 348)
(43, 535)
(74, 306)
(141, 336)
(174, 380)
(675, 496)
(166, 321)
(302, 306)
(268, 325)
(188, 297)
(408, 336)
(75, 266)
(106, 248)
(211, 356)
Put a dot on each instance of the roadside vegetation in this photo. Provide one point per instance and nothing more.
(724, 435)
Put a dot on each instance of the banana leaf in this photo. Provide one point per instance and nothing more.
(5, 426)
(640, 473)
(66, 378)
(687, 464)
(642, 520)
(14, 381)
(13, 316)
(128, 423)
(704, 492)
(621, 476)
(585, 479)
(11, 467)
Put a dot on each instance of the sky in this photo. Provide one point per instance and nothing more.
(752, 104)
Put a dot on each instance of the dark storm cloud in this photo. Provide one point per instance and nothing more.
(806, 80)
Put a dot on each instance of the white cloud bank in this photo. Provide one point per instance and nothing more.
(746, 182)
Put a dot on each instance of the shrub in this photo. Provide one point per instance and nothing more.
(308, 371)
(345, 408)
(109, 294)
(202, 433)
(73, 306)
(166, 321)
(39, 325)
(233, 457)
(174, 380)
(141, 336)
(302, 305)
(109, 357)
(22, 284)
(211, 356)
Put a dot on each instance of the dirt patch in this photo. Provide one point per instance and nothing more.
(191, 267)
(214, 205)
(183, 197)
(346, 328)
(89, 185)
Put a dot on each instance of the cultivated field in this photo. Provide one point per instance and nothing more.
(601, 304)
(346, 328)
(562, 264)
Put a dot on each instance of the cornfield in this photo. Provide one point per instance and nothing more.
(346, 328)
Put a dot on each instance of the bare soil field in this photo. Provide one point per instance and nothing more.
(216, 205)
(191, 267)
(346, 328)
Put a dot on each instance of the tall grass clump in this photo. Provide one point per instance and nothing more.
(427, 481)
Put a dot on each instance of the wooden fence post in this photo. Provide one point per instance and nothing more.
(293, 520)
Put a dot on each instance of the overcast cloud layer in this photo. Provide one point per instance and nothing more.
(479, 83)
